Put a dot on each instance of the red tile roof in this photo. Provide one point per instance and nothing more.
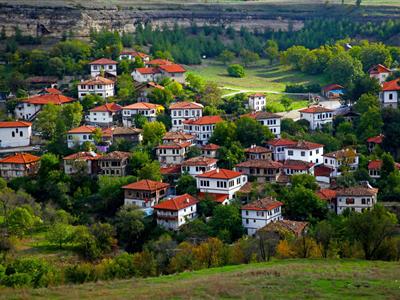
(220, 174)
(172, 68)
(331, 87)
(82, 156)
(48, 99)
(393, 85)
(171, 170)
(186, 105)
(96, 80)
(377, 164)
(357, 191)
(142, 105)
(378, 69)
(315, 109)
(297, 164)
(267, 203)
(20, 158)
(305, 145)
(159, 62)
(108, 107)
(103, 61)
(257, 95)
(212, 147)
(260, 163)
(326, 194)
(83, 129)
(146, 185)
(204, 120)
(323, 171)
(178, 136)
(199, 161)
(52, 91)
(147, 70)
(220, 198)
(376, 139)
(177, 203)
(257, 149)
(134, 53)
(281, 142)
(13, 124)
(262, 115)
(174, 145)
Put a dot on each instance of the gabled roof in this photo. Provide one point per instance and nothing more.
(126, 131)
(56, 99)
(257, 149)
(377, 165)
(220, 174)
(82, 156)
(211, 147)
(186, 105)
(171, 170)
(326, 194)
(260, 163)
(378, 69)
(20, 158)
(14, 124)
(331, 87)
(199, 161)
(174, 68)
(257, 95)
(83, 129)
(96, 80)
(295, 227)
(147, 70)
(142, 105)
(174, 145)
(108, 107)
(259, 115)
(393, 85)
(178, 136)
(305, 145)
(281, 142)
(103, 61)
(297, 164)
(134, 53)
(219, 198)
(315, 109)
(177, 203)
(343, 153)
(376, 139)
(357, 191)
(159, 62)
(206, 120)
(118, 155)
(267, 203)
(52, 91)
(323, 171)
(146, 185)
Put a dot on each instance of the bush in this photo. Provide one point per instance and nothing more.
(80, 273)
(236, 70)
(17, 280)
(301, 88)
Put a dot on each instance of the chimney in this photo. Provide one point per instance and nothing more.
(217, 170)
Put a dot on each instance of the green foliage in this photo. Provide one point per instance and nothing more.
(150, 171)
(236, 70)
(186, 184)
(293, 56)
(227, 222)
(344, 69)
(153, 133)
(249, 131)
(21, 221)
(248, 57)
(226, 57)
(59, 234)
(130, 227)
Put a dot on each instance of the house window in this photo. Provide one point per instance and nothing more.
(290, 152)
(303, 153)
(349, 200)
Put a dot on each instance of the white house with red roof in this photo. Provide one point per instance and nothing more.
(19, 165)
(257, 102)
(78, 136)
(258, 152)
(221, 182)
(379, 72)
(149, 110)
(332, 91)
(305, 151)
(104, 115)
(173, 213)
(293, 167)
(15, 134)
(103, 64)
(158, 62)
(145, 193)
(374, 168)
(278, 146)
(257, 214)
(98, 85)
(177, 136)
(81, 161)
(262, 170)
(184, 111)
(172, 153)
(146, 74)
(28, 108)
(173, 71)
(202, 128)
(374, 141)
(271, 120)
(132, 54)
(210, 150)
(317, 116)
(198, 165)
(341, 160)
(356, 198)
(390, 94)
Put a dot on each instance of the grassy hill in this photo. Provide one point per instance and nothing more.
(282, 279)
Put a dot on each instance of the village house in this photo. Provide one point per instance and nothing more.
(259, 213)
(105, 115)
(323, 176)
(374, 168)
(132, 54)
(28, 108)
(37, 82)
(98, 85)
(50, 90)
(332, 91)
(158, 62)
(257, 152)
(178, 136)
(356, 198)
(172, 153)
(202, 128)
(278, 146)
(129, 134)
(317, 116)
(271, 120)
(146, 74)
(145, 194)
(380, 73)
(261, 170)
(114, 163)
(81, 162)
(293, 167)
(341, 160)
(174, 71)
(221, 184)
(19, 165)
(145, 89)
(78, 136)
(210, 150)
(184, 111)
(149, 110)
(198, 165)
(282, 227)
(103, 65)
(374, 141)
(390, 93)
(329, 196)
(173, 213)
(305, 151)
(15, 134)
(257, 102)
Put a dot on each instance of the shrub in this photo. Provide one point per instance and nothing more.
(236, 70)
(80, 273)
(17, 280)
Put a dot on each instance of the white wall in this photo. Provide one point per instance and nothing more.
(252, 220)
(129, 114)
(180, 115)
(100, 117)
(75, 139)
(26, 110)
(274, 125)
(170, 156)
(15, 137)
(314, 155)
(103, 90)
(213, 187)
(358, 205)
(317, 119)
(197, 170)
(257, 103)
(389, 98)
(202, 132)
(183, 215)
(95, 70)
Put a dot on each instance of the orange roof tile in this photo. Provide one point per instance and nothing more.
(376, 139)
(297, 164)
(212, 147)
(20, 158)
(220, 198)
(220, 174)
(174, 68)
(146, 185)
(267, 203)
(103, 61)
(82, 156)
(96, 80)
(315, 109)
(186, 105)
(199, 161)
(378, 69)
(170, 170)
(257, 95)
(262, 115)
(177, 203)
(205, 120)
(48, 99)
(305, 145)
(13, 124)
(83, 129)
(52, 91)
(174, 145)
(322, 171)
(108, 107)
(256, 149)
(142, 105)
(393, 85)
(331, 87)
(134, 53)
(326, 194)
(159, 62)
(260, 164)
(147, 70)
(281, 142)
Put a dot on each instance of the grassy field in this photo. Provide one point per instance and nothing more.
(284, 279)
(261, 77)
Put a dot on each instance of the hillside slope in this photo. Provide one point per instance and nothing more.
(284, 279)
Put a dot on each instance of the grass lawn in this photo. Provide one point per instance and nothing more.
(261, 77)
(281, 279)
